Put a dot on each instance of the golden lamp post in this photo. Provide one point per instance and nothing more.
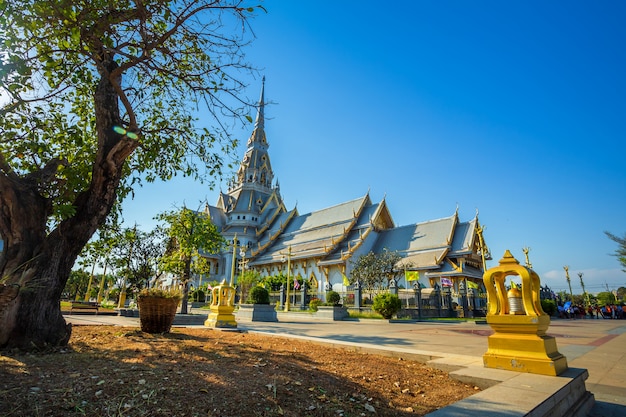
(243, 263)
(582, 284)
(519, 342)
(569, 282)
(288, 259)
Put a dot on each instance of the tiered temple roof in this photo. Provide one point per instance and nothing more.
(253, 209)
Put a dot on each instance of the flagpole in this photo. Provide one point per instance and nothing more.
(406, 286)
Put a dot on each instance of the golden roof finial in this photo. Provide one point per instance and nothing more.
(508, 258)
(526, 250)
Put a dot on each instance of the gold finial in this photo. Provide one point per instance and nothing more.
(526, 250)
(508, 258)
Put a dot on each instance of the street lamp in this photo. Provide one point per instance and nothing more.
(243, 263)
(232, 267)
(582, 284)
(288, 259)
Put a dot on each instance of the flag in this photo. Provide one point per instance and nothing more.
(296, 284)
(346, 281)
(472, 284)
(446, 282)
(412, 275)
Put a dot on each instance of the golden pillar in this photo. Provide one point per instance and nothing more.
(223, 299)
(520, 342)
(288, 258)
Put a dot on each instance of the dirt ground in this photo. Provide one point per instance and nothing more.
(120, 371)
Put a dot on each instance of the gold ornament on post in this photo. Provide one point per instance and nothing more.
(223, 300)
(520, 342)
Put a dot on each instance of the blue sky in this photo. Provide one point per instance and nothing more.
(517, 109)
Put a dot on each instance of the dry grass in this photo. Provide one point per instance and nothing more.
(116, 371)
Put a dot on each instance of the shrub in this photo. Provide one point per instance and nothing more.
(314, 303)
(259, 295)
(387, 305)
(333, 298)
(549, 307)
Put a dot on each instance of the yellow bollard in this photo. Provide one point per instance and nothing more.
(519, 342)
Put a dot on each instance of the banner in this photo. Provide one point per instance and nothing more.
(412, 275)
(346, 281)
(472, 284)
(446, 282)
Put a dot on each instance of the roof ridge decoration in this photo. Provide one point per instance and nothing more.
(279, 209)
(378, 213)
(454, 223)
(456, 267)
(349, 228)
(346, 230)
(350, 251)
(272, 238)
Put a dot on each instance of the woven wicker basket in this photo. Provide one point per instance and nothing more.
(156, 314)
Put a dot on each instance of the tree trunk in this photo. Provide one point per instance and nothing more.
(186, 278)
(39, 264)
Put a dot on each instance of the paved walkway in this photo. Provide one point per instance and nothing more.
(596, 345)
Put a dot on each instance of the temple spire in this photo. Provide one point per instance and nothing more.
(260, 115)
(258, 134)
(255, 168)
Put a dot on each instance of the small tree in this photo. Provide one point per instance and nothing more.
(76, 284)
(333, 298)
(366, 272)
(274, 282)
(247, 280)
(374, 270)
(189, 232)
(259, 295)
(134, 254)
(387, 305)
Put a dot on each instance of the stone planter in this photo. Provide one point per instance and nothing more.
(257, 312)
(127, 312)
(156, 314)
(336, 313)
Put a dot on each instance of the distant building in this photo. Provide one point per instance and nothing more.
(323, 243)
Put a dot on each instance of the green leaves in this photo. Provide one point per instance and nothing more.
(172, 72)
(374, 269)
(190, 234)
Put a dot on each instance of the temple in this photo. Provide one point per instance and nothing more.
(323, 244)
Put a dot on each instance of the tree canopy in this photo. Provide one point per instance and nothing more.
(190, 234)
(100, 96)
(373, 270)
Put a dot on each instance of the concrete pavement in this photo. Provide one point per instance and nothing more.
(457, 347)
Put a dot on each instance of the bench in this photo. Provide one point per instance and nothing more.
(83, 305)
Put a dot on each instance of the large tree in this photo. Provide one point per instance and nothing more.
(97, 96)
